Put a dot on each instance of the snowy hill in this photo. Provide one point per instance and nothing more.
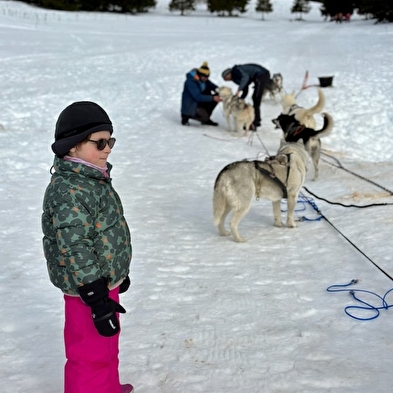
(204, 314)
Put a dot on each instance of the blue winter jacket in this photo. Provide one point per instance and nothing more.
(193, 93)
(243, 75)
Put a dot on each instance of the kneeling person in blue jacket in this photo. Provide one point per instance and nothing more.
(199, 96)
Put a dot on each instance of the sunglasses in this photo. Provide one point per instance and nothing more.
(101, 143)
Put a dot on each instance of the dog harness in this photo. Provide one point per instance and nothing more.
(271, 174)
(292, 107)
(294, 132)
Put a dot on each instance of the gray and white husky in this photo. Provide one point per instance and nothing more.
(278, 177)
(243, 114)
(274, 87)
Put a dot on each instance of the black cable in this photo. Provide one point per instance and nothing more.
(315, 207)
(339, 165)
(341, 204)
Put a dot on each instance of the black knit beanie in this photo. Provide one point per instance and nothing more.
(76, 122)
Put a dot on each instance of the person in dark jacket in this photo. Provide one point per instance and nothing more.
(245, 74)
(199, 96)
(87, 247)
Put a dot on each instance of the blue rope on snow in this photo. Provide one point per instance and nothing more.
(302, 200)
(365, 306)
(314, 206)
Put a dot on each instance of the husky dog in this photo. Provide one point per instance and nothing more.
(304, 116)
(226, 95)
(242, 113)
(275, 178)
(293, 131)
(274, 87)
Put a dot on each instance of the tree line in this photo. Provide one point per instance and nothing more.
(122, 6)
(381, 10)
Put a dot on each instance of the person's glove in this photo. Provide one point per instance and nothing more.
(103, 308)
(123, 287)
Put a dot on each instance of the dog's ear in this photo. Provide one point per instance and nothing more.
(276, 122)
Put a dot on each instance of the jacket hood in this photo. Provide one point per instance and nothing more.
(192, 74)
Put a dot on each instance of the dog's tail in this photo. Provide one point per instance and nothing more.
(218, 202)
(319, 105)
(327, 127)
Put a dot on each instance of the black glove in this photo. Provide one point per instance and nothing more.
(125, 285)
(103, 308)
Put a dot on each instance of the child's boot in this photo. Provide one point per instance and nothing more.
(127, 388)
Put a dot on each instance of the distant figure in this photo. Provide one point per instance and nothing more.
(199, 96)
(347, 17)
(245, 74)
(338, 17)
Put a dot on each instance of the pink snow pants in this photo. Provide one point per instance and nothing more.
(92, 360)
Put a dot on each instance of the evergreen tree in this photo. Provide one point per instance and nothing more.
(68, 5)
(382, 10)
(301, 7)
(182, 5)
(132, 6)
(334, 7)
(136, 6)
(264, 6)
(229, 6)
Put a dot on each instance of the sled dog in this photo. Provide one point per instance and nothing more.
(226, 95)
(293, 131)
(276, 178)
(242, 113)
(304, 116)
(274, 87)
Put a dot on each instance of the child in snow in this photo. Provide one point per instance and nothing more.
(87, 246)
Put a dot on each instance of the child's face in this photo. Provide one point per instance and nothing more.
(89, 152)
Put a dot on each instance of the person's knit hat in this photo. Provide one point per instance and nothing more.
(226, 72)
(76, 122)
(204, 69)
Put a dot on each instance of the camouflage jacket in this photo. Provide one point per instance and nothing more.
(86, 236)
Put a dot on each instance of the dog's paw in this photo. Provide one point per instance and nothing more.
(225, 233)
(278, 224)
(291, 224)
(240, 239)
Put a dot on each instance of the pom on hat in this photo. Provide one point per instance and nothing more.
(226, 72)
(204, 69)
(76, 122)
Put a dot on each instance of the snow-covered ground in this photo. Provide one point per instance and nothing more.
(204, 314)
